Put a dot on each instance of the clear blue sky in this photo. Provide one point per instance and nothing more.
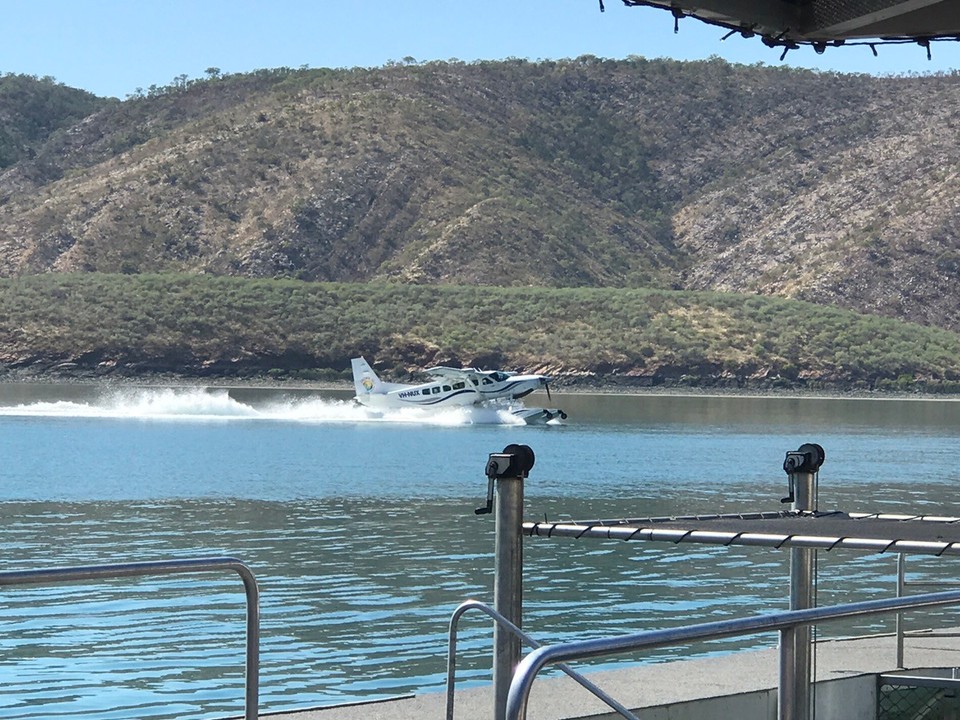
(112, 47)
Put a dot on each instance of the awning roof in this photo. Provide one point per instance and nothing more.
(882, 533)
(822, 23)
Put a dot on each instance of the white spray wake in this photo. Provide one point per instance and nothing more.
(198, 404)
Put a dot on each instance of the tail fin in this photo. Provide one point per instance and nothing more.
(365, 380)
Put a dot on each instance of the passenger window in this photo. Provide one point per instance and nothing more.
(458, 386)
(446, 388)
(426, 391)
(436, 390)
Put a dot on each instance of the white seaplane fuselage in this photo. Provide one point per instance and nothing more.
(450, 387)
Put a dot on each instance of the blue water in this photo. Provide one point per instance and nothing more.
(362, 533)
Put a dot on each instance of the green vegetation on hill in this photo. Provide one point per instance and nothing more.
(32, 109)
(120, 325)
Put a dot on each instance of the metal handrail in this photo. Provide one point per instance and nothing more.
(169, 567)
(787, 622)
(506, 624)
(902, 583)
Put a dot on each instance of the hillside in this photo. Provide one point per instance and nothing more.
(635, 174)
(836, 189)
(33, 110)
(135, 326)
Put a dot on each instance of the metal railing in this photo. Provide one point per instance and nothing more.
(510, 627)
(50, 576)
(902, 584)
(787, 623)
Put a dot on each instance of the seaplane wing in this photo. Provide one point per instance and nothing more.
(449, 373)
(447, 386)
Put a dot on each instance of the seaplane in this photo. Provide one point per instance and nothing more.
(455, 387)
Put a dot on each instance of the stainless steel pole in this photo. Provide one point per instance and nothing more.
(901, 591)
(796, 654)
(801, 598)
(507, 470)
(507, 586)
(787, 694)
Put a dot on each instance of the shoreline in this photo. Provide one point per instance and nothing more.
(612, 388)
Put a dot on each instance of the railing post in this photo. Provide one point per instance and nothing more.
(507, 469)
(901, 587)
(796, 656)
(508, 585)
(787, 689)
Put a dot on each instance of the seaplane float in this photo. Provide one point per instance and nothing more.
(453, 387)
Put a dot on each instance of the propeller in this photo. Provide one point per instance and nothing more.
(546, 386)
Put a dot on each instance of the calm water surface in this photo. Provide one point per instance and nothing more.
(362, 533)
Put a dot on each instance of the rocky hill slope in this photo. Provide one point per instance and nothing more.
(840, 190)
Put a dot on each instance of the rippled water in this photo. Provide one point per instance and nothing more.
(362, 534)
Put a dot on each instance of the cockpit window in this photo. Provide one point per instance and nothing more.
(487, 381)
(499, 376)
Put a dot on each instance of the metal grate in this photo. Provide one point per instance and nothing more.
(912, 701)
(834, 12)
